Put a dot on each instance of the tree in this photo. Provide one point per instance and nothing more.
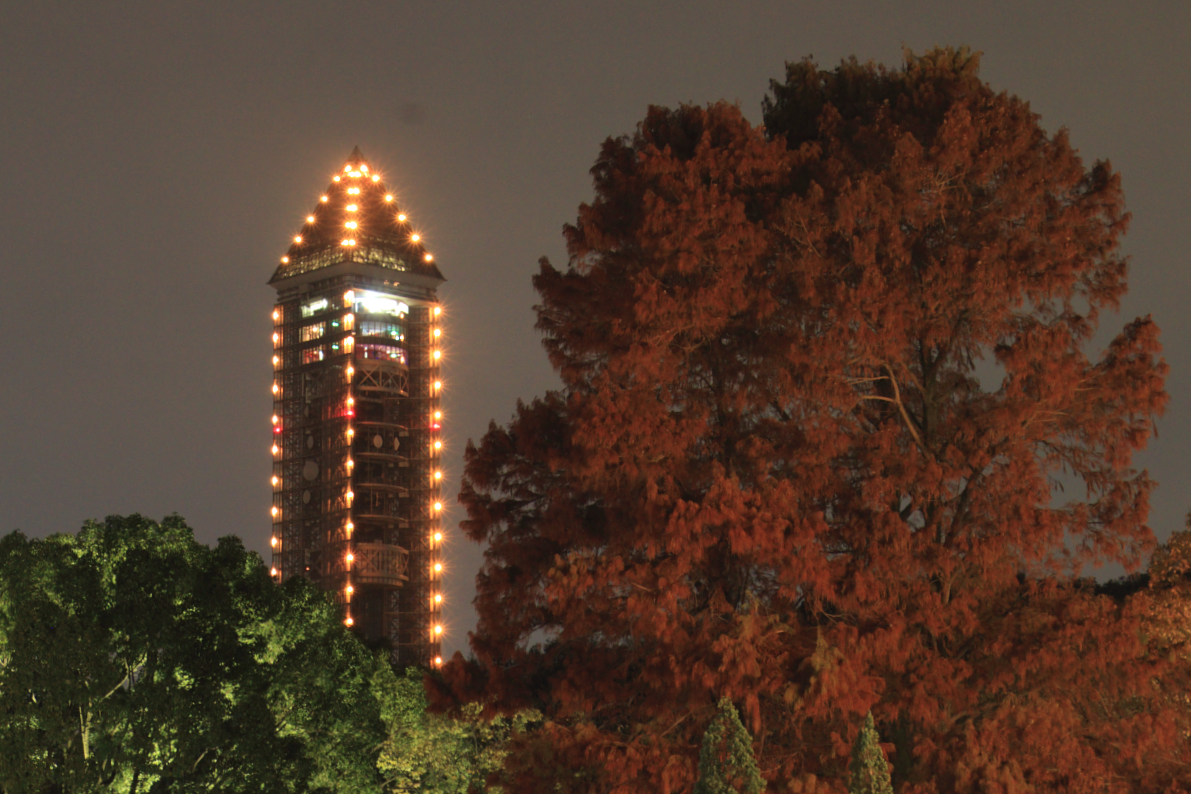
(726, 762)
(869, 771)
(824, 385)
(428, 753)
(134, 659)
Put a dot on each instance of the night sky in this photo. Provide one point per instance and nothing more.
(158, 157)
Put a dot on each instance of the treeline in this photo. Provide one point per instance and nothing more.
(135, 660)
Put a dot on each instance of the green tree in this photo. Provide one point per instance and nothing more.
(869, 771)
(427, 753)
(726, 762)
(134, 659)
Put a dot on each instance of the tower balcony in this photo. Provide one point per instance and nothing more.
(379, 565)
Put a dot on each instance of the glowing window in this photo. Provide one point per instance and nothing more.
(314, 331)
(368, 302)
(312, 308)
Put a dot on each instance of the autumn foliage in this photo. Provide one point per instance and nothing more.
(830, 440)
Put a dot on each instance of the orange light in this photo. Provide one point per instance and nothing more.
(437, 630)
(350, 495)
(438, 598)
(438, 537)
(351, 557)
(351, 432)
(310, 219)
(438, 567)
(321, 198)
(350, 526)
(350, 224)
(336, 178)
(275, 419)
(285, 260)
(274, 480)
(351, 401)
(349, 296)
(438, 384)
(438, 505)
(429, 257)
(437, 355)
(437, 310)
(415, 237)
(276, 360)
(351, 371)
(389, 197)
(273, 541)
(276, 388)
(437, 333)
(352, 208)
(438, 660)
(350, 463)
(438, 475)
(275, 510)
(401, 217)
(297, 238)
(353, 191)
(275, 449)
(276, 315)
(375, 178)
(276, 337)
(348, 621)
(272, 571)
(350, 589)
(347, 168)
(354, 174)
(438, 445)
(364, 168)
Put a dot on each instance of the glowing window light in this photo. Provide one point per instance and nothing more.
(355, 174)
(351, 224)
(275, 419)
(276, 315)
(322, 198)
(351, 191)
(276, 360)
(429, 257)
(276, 337)
(275, 449)
(344, 242)
(388, 197)
(438, 567)
(351, 371)
(364, 168)
(310, 219)
(438, 445)
(297, 238)
(276, 388)
(275, 480)
(438, 537)
(272, 571)
(347, 168)
(415, 237)
(352, 208)
(273, 541)
(275, 511)
(401, 217)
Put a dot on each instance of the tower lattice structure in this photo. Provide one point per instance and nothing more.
(357, 417)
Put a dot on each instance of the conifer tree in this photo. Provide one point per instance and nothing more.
(869, 771)
(726, 762)
(777, 470)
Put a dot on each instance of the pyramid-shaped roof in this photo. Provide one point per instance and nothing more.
(357, 220)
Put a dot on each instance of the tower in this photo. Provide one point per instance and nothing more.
(356, 414)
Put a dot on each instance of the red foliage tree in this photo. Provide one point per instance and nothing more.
(779, 471)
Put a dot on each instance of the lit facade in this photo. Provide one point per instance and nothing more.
(356, 439)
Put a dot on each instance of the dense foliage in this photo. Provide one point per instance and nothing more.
(726, 762)
(830, 440)
(869, 772)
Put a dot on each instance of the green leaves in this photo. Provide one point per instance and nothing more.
(726, 763)
(869, 772)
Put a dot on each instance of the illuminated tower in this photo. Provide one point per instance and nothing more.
(356, 414)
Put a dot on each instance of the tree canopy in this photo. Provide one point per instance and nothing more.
(831, 439)
(134, 659)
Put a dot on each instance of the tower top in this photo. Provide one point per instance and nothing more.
(357, 224)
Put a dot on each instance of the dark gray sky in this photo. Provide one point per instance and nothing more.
(158, 157)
